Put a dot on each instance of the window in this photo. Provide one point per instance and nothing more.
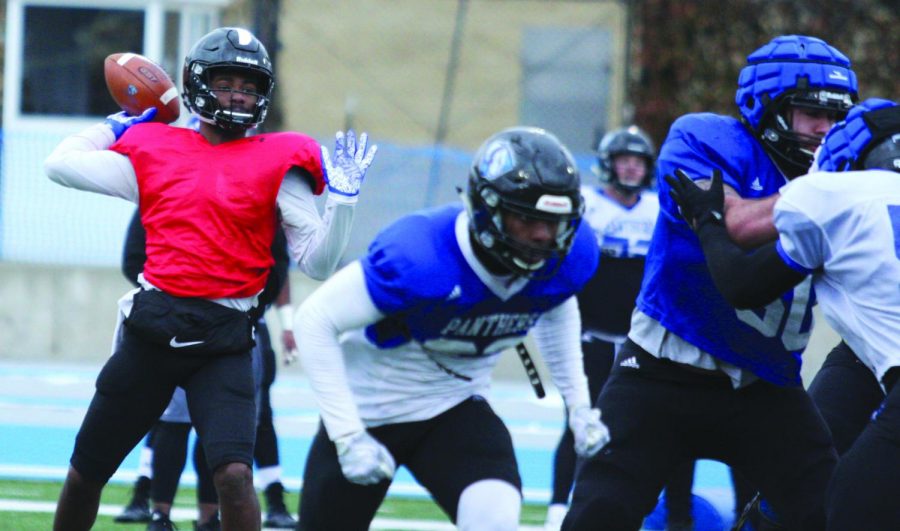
(62, 71)
(565, 82)
(53, 85)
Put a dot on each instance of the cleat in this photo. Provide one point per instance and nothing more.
(277, 516)
(160, 522)
(138, 509)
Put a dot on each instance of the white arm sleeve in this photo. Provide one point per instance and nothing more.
(315, 243)
(82, 161)
(342, 303)
(558, 336)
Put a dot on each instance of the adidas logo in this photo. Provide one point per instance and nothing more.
(755, 185)
(455, 293)
(630, 362)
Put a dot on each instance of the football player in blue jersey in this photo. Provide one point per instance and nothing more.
(697, 378)
(399, 345)
(843, 230)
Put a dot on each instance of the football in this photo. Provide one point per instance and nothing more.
(137, 83)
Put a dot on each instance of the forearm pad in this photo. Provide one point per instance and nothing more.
(745, 280)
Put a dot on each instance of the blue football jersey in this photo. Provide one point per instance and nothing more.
(677, 289)
(418, 277)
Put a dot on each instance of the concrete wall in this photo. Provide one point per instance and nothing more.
(57, 313)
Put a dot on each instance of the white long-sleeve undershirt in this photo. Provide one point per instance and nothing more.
(557, 335)
(339, 305)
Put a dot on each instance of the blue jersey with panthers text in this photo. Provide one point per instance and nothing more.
(677, 289)
(418, 277)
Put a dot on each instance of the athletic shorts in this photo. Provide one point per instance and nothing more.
(137, 383)
(661, 414)
(445, 454)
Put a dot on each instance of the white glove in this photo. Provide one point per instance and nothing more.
(364, 460)
(591, 434)
(121, 121)
(345, 173)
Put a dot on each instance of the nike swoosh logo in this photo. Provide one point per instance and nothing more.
(174, 343)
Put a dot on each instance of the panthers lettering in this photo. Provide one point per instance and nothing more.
(503, 324)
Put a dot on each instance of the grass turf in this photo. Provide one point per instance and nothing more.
(118, 495)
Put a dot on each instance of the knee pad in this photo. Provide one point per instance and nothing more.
(489, 505)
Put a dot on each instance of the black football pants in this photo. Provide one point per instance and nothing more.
(662, 413)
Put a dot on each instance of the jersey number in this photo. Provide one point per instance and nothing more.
(769, 322)
(622, 248)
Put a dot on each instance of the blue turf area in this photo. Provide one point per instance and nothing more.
(42, 406)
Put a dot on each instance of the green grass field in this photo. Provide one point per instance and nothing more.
(118, 495)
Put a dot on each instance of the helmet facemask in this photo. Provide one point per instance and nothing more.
(209, 108)
(490, 212)
(791, 150)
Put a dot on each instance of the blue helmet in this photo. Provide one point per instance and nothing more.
(868, 138)
(798, 71)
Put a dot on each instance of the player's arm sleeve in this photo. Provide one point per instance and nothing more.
(82, 161)
(746, 280)
(135, 253)
(340, 304)
(557, 335)
(315, 242)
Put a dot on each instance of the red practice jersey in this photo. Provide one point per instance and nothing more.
(210, 211)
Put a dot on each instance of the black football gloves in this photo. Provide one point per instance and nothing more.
(698, 206)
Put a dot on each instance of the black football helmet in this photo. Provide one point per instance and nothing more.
(528, 172)
(227, 48)
(631, 140)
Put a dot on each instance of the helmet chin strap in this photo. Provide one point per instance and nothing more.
(225, 120)
(491, 263)
(496, 266)
(783, 146)
(528, 266)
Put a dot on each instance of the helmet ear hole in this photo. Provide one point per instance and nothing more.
(528, 172)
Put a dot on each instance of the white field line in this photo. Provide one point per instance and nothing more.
(180, 514)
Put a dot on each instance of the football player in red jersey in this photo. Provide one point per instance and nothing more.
(210, 201)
